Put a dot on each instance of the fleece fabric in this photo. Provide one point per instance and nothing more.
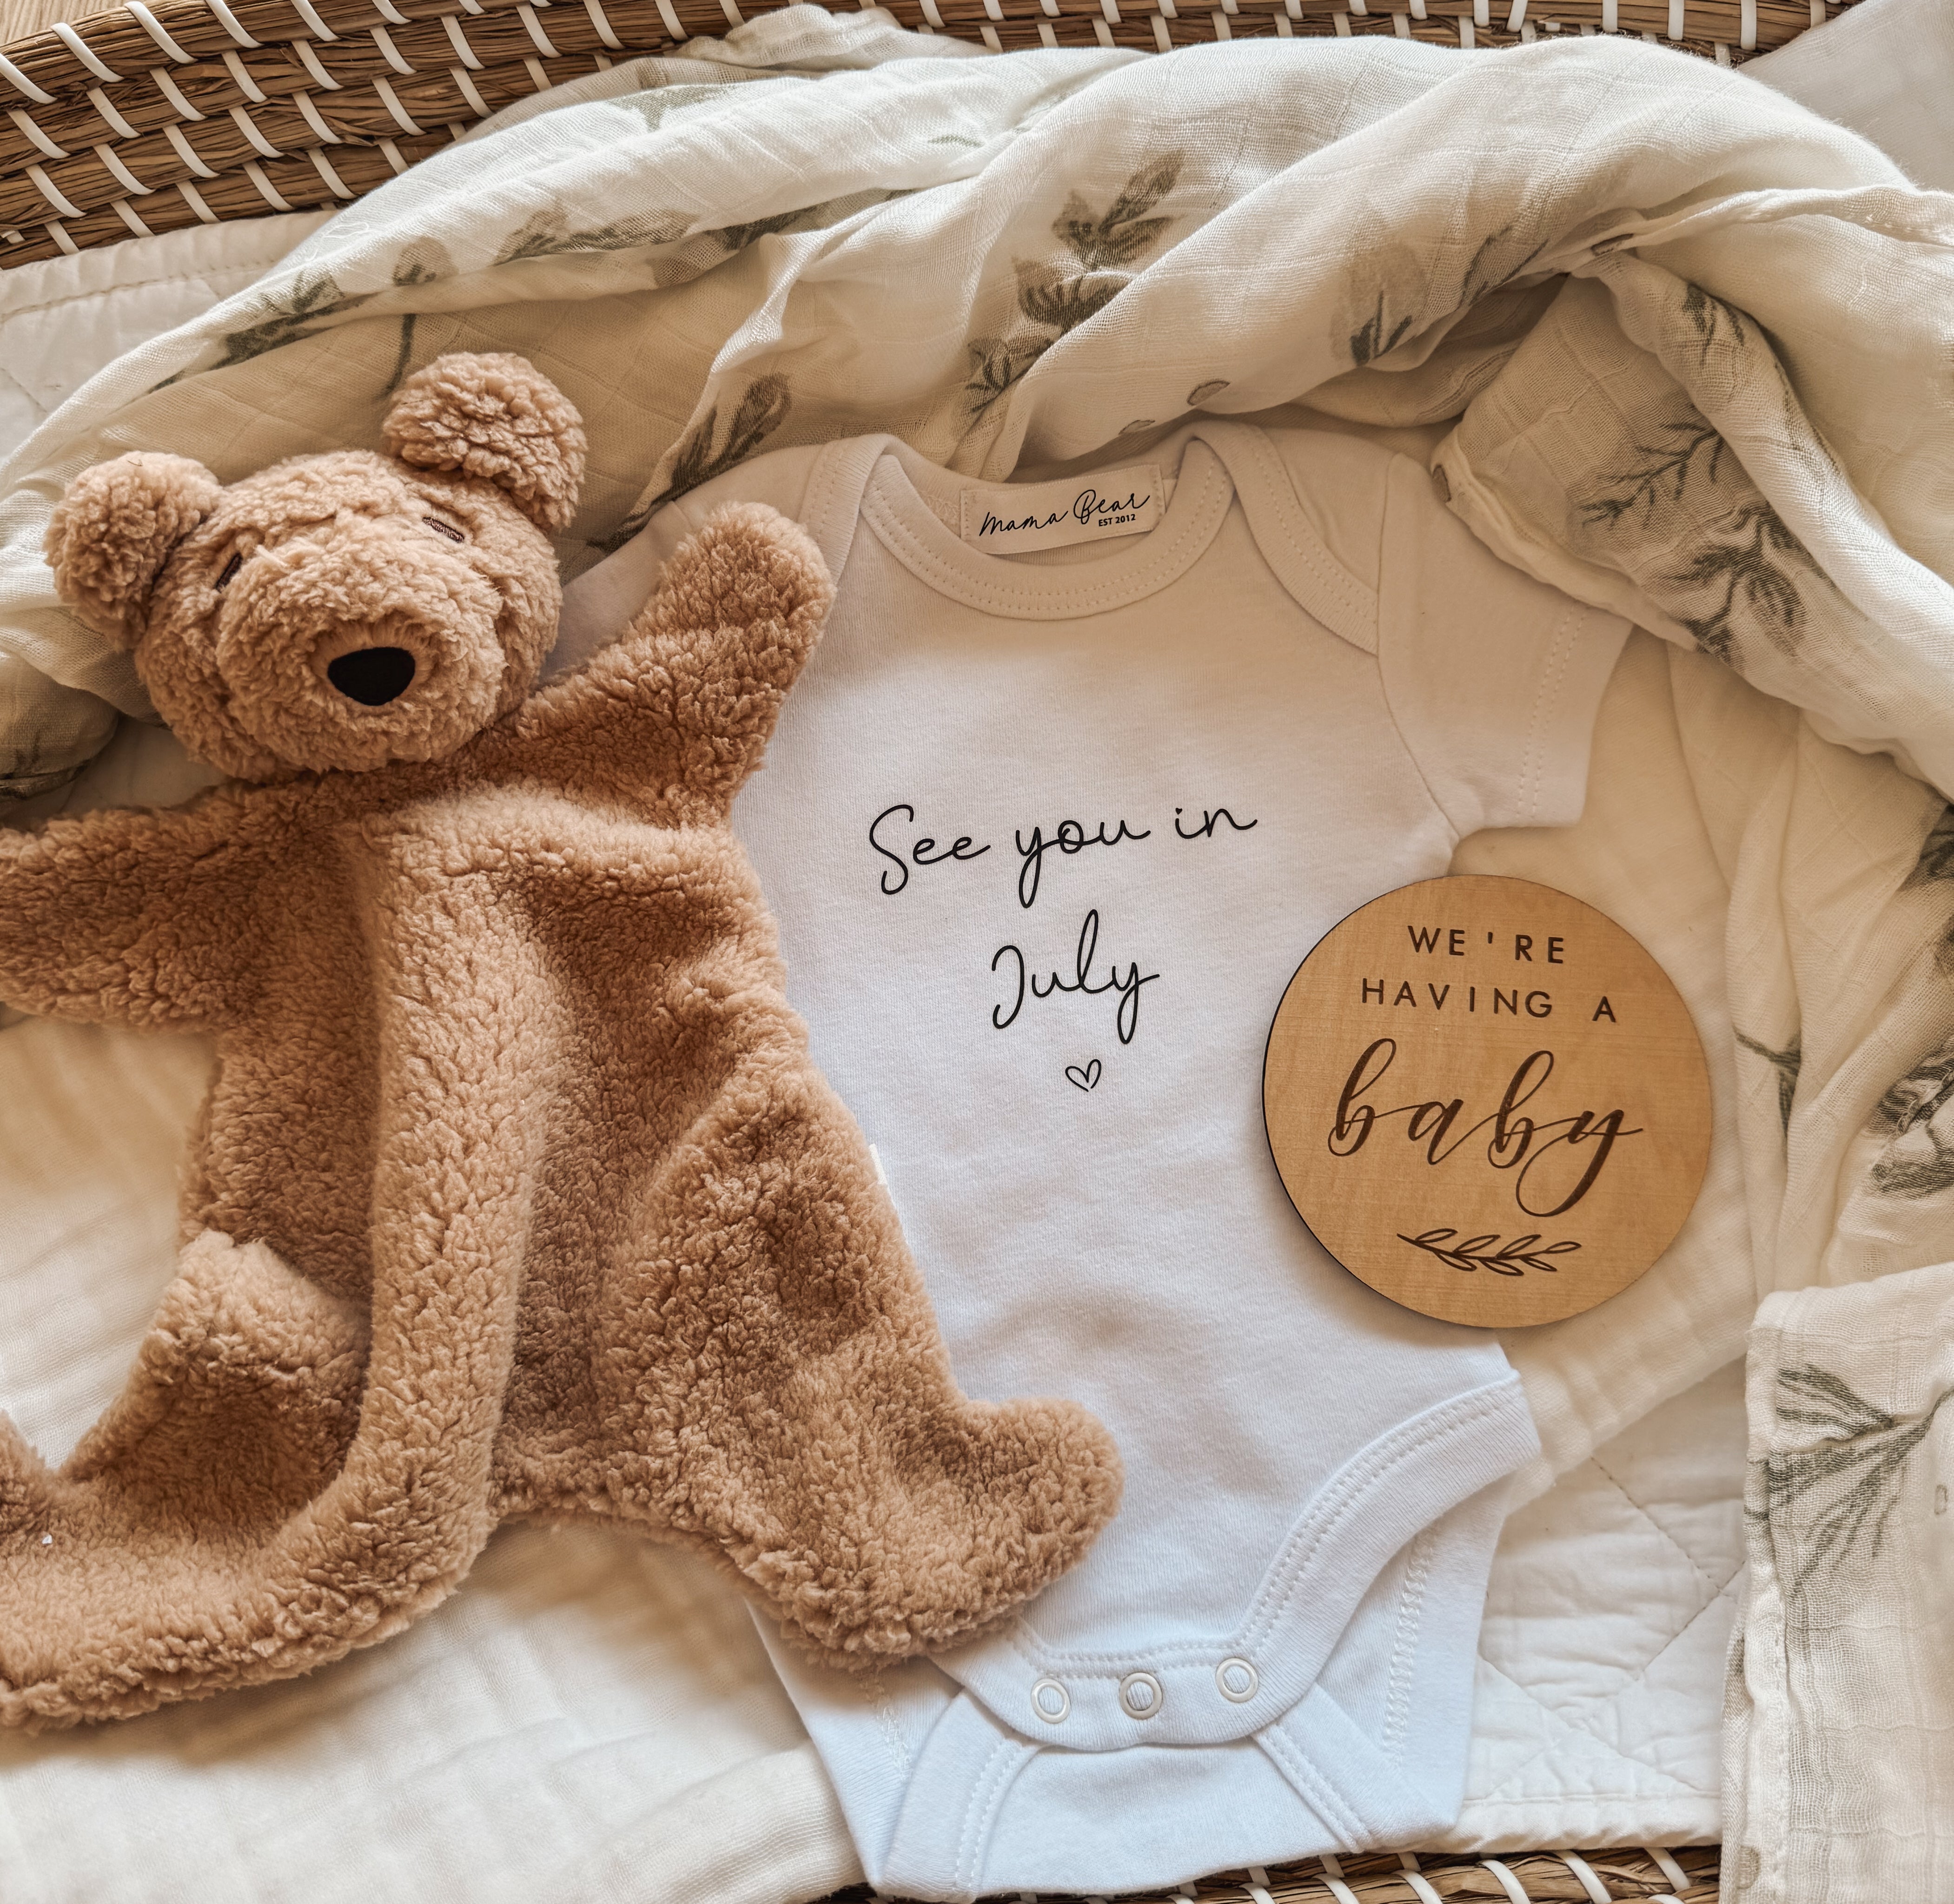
(538, 1205)
(1058, 824)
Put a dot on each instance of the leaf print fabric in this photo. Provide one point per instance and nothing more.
(1060, 298)
(1841, 1700)
(821, 225)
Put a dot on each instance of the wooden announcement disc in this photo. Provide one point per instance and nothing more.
(1486, 1100)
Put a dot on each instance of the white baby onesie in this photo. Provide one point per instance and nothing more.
(1046, 836)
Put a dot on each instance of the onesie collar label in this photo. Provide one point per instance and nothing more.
(1008, 518)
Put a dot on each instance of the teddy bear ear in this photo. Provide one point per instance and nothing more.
(114, 530)
(498, 417)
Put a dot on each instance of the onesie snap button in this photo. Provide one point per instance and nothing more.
(1141, 1695)
(1237, 1680)
(1050, 1701)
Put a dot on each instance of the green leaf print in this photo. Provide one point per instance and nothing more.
(1057, 298)
(549, 234)
(1831, 1502)
(702, 455)
(300, 310)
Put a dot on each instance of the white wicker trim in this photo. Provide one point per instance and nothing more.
(459, 41)
(310, 61)
(247, 84)
(121, 173)
(76, 45)
(527, 15)
(153, 27)
(227, 20)
(309, 113)
(256, 139)
(391, 100)
(113, 120)
(466, 87)
(49, 190)
(173, 93)
(186, 152)
(1507, 1883)
(390, 52)
(24, 123)
(27, 89)
(333, 183)
(193, 198)
(314, 25)
(267, 190)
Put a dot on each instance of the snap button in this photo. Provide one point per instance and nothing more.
(1141, 1696)
(1051, 1702)
(1237, 1681)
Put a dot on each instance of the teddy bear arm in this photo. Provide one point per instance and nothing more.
(125, 917)
(687, 699)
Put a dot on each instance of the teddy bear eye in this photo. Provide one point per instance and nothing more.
(231, 568)
(440, 528)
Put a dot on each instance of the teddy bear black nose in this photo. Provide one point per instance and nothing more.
(372, 676)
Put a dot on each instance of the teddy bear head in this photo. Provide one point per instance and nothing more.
(345, 610)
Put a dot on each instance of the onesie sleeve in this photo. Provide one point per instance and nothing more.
(1492, 678)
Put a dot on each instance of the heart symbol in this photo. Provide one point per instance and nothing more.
(1086, 1078)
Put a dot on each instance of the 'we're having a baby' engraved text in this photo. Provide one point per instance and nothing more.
(1525, 1145)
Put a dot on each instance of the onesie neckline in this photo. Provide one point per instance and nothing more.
(1221, 463)
(895, 505)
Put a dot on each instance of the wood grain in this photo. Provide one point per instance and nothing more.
(1488, 1101)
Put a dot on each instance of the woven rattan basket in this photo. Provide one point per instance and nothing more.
(1399, 1877)
(146, 118)
(149, 118)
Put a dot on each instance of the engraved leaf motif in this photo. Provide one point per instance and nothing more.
(1468, 1253)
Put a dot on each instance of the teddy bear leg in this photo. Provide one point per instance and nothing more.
(123, 1570)
(790, 1403)
(910, 1520)
(245, 1393)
